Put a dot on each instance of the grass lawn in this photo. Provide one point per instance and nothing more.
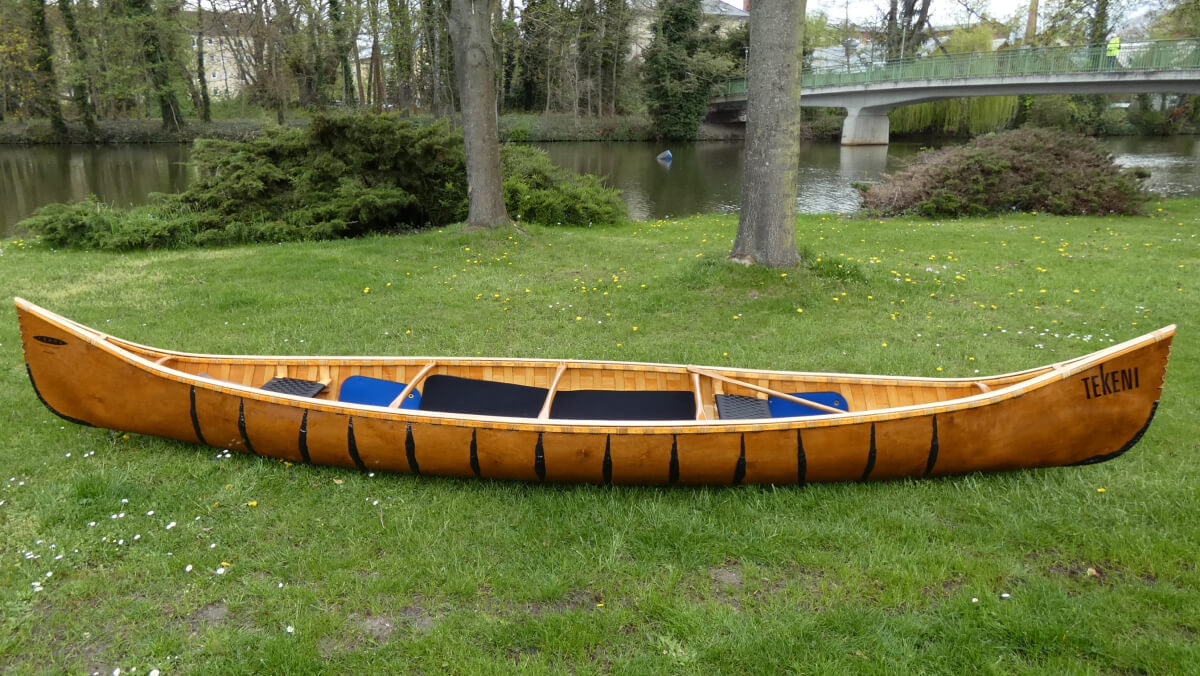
(150, 554)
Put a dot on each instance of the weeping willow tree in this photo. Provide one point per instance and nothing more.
(977, 115)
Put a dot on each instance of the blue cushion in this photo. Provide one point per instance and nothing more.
(782, 408)
(376, 392)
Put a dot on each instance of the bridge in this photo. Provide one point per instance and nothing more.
(867, 94)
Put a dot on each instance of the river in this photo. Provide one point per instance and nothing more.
(700, 177)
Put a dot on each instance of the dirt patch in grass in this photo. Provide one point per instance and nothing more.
(576, 600)
(378, 627)
(417, 618)
(729, 575)
(214, 614)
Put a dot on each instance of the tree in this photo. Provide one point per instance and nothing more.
(80, 87)
(679, 75)
(474, 63)
(770, 167)
(157, 64)
(205, 101)
(400, 35)
(17, 56)
(44, 62)
(342, 47)
(1176, 19)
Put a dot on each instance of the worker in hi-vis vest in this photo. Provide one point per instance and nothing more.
(1114, 48)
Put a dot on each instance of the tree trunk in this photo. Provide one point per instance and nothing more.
(474, 64)
(1031, 23)
(401, 39)
(767, 225)
(159, 68)
(205, 101)
(79, 81)
(44, 63)
(343, 52)
(437, 72)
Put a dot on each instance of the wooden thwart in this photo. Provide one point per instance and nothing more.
(765, 390)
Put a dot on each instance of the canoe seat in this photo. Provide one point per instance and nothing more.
(620, 405)
(376, 392)
(782, 408)
(452, 394)
(737, 407)
(294, 386)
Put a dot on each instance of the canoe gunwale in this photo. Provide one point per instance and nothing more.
(1018, 384)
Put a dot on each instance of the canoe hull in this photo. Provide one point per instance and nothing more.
(1085, 412)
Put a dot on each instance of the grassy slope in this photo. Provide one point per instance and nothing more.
(390, 573)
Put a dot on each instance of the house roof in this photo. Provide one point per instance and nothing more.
(716, 7)
(708, 7)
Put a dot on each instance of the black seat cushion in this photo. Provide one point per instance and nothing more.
(451, 394)
(735, 407)
(300, 388)
(615, 405)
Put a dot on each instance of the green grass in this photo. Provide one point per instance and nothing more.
(394, 573)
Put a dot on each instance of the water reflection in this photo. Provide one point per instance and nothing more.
(1173, 161)
(122, 175)
(701, 177)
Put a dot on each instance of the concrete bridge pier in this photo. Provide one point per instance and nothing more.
(865, 126)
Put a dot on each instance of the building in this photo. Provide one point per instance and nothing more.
(226, 46)
(724, 15)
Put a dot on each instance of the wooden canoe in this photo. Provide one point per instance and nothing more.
(547, 420)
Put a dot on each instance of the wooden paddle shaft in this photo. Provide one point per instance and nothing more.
(765, 390)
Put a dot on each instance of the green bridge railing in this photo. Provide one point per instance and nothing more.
(1134, 56)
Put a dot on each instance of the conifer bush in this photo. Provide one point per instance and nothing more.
(1022, 170)
(342, 176)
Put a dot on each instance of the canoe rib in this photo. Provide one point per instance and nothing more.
(1080, 411)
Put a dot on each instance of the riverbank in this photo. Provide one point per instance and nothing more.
(516, 128)
(521, 128)
(162, 555)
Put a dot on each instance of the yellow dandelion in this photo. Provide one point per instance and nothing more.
(252, 503)
(366, 289)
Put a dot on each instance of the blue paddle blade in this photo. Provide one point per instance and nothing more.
(376, 392)
(782, 408)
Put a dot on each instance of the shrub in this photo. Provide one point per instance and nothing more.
(1022, 170)
(343, 176)
(539, 191)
